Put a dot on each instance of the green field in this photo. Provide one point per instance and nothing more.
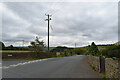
(13, 51)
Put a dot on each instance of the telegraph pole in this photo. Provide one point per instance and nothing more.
(23, 43)
(48, 15)
(75, 45)
(75, 48)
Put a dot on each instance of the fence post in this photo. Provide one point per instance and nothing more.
(102, 64)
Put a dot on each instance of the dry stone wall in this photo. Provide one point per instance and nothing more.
(112, 67)
(94, 62)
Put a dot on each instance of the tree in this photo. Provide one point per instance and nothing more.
(2, 46)
(37, 45)
(93, 49)
(11, 46)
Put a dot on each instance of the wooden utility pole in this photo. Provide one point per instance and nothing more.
(48, 26)
(75, 45)
(75, 48)
(23, 43)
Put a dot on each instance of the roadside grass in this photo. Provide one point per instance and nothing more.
(13, 51)
(93, 67)
(103, 76)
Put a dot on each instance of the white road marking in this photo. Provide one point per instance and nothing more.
(24, 63)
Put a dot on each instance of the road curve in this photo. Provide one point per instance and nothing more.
(61, 67)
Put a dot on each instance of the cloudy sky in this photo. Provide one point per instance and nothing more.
(72, 22)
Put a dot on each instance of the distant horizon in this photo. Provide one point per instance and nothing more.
(63, 46)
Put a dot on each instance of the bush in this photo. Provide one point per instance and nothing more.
(111, 51)
(79, 51)
(59, 49)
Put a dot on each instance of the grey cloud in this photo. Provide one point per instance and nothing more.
(80, 21)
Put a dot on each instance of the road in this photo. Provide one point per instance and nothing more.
(61, 67)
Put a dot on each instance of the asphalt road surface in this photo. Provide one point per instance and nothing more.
(61, 67)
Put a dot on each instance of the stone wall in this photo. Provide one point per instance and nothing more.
(112, 67)
(94, 62)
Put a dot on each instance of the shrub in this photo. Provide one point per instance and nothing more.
(111, 51)
(79, 51)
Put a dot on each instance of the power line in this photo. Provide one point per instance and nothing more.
(48, 15)
(51, 27)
